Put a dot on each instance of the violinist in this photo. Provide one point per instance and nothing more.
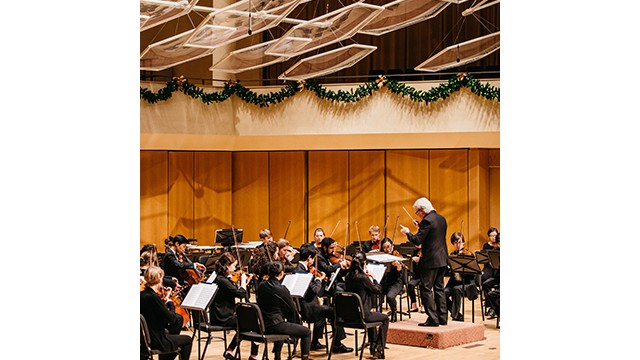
(453, 290)
(318, 235)
(361, 282)
(279, 311)
(415, 278)
(327, 252)
(175, 260)
(285, 254)
(393, 280)
(159, 311)
(310, 308)
(374, 243)
(490, 277)
(265, 237)
(148, 258)
(262, 255)
(221, 310)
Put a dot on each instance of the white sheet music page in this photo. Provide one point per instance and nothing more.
(384, 258)
(211, 278)
(199, 296)
(297, 284)
(377, 270)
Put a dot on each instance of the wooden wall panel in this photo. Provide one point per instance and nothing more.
(328, 192)
(366, 192)
(287, 195)
(407, 180)
(180, 184)
(494, 189)
(250, 202)
(212, 195)
(478, 198)
(153, 197)
(449, 188)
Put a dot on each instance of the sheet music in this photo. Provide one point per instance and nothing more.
(211, 278)
(384, 258)
(297, 283)
(332, 279)
(377, 270)
(199, 296)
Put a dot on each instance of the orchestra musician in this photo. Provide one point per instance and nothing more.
(263, 255)
(393, 280)
(221, 310)
(414, 279)
(310, 308)
(374, 243)
(175, 260)
(318, 235)
(432, 230)
(149, 257)
(159, 311)
(285, 254)
(328, 266)
(279, 311)
(453, 290)
(361, 282)
(490, 277)
(265, 237)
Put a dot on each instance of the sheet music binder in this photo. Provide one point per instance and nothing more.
(377, 270)
(297, 284)
(334, 275)
(211, 278)
(199, 296)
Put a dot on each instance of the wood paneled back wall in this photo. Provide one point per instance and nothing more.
(195, 193)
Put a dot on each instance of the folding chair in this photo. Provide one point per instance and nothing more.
(349, 313)
(145, 339)
(251, 327)
(202, 324)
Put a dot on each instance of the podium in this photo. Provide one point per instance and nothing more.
(465, 265)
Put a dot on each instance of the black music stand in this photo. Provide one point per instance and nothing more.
(494, 259)
(482, 257)
(465, 265)
(225, 237)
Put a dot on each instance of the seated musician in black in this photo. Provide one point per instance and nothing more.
(285, 255)
(490, 277)
(328, 263)
(393, 280)
(279, 311)
(221, 310)
(175, 261)
(159, 312)
(149, 257)
(374, 244)
(261, 257)
(414, 278)
(361, 282)
(453, 289)
(310, 309)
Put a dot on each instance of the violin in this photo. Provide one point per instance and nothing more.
(164, 291)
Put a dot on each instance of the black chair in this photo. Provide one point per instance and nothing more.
(145, 342)
(202, 324)
(251, 327)
(349, 313)
(296, 301)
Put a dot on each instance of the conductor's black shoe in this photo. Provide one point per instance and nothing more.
(317, 346)
(341, 348)
(429, 323)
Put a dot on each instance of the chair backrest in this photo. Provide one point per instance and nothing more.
(348, 308)
(145, 337)
(249, 318)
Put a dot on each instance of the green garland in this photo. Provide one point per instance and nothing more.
(441, 91)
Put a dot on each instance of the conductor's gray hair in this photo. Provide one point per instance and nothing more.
(423, 204)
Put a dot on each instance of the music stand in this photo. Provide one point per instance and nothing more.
(225, 236)
(465, 265)
(198, 299)
(494, 259)
(482, 257)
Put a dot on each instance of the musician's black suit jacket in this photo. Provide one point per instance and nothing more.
(158, 316)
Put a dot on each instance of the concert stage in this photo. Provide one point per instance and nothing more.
(407, 332)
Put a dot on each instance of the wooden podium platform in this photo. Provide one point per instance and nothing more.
(407, 332)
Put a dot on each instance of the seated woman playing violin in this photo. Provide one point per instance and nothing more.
(393, 280)
(159, 311)
(221, 310)
(453, 289)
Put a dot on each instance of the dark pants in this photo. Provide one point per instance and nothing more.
(494, 300)
(376, 337)
(391, 292)
(454, 299)
(432, 294)
(182, 341)
(319, 324)
(411, 288)
(293, 330)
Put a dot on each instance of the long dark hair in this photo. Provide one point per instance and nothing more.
(358, 261)
(261, 257)
(221, 265)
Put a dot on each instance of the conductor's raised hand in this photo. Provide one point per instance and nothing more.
(404, 229)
